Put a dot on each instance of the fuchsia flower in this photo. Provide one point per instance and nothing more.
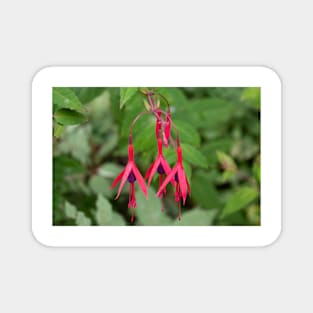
(181, 182)
(158, 124)
(176, 176)
(130, 173)
(161, 166)
(167, 128)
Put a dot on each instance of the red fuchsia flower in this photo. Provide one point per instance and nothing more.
(158, 124)
(130, 173)
(167, 128)
(161, 166)
(181, 182)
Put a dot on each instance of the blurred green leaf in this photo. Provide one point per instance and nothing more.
(87, 94)
(148, 211)
(76, 142)
(108, 146)
(126, 94)
(203, 191)
(146, 139)
(253, 214)
(226, 161)
(70, 210)
(239, 200)
(194, 156)
(69, 117)
(82, 219)
(209, 114)
(65, 98)
(187, 133)
(58, 130)
(252, 96)
(197, 217)
(210, 148)
(117, 220)
(110, 170)
(257, 171)
(104, 211)
(100, 185)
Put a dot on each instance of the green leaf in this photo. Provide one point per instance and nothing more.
(226, 161)
(75, 141)
(70, 210)
(203, 191)
(58, 130)
(170, 156)
(187, 133)
(108, 146)
(82, 219)
(149, 211)
(126, 94)
(210, 148)
(210, 114)
(188, 170)
(253, 214)
(256, 169)
(65, 98)
(194, 156)
(239, 200)
(197, 217)
(69, 117)
(100, 185)
(110, 170)
(104, 211)
(117, 220)
(87, 94)
(252, 96)
(145, 140)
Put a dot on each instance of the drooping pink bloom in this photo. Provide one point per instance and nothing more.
(181, 182)
(131, 174)
(161, 166)
(158, 124)
(167, 128)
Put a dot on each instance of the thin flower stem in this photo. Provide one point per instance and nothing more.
(164, 98)
(150, 99)
(175, 127)
(135, 120)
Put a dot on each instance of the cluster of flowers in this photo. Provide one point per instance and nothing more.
(176, 175)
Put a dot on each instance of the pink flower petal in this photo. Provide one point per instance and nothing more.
(167, 168)
(127, 171)
(140, 180)
(117, 179)
(149, 170)
(154, 169)
(167, 180)
(182, 183)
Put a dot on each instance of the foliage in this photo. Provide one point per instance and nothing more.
(220, 134)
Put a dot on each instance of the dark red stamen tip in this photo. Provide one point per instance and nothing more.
(176, 178)
(131, 177)
(160, 169)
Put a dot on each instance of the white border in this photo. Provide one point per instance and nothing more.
(262, 235)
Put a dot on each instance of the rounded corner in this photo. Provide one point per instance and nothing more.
(41, 72)
(274, 238)
(38, 239)
(272, 73)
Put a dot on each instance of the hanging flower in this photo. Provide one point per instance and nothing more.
(161, 166)
(131, 174)
(158, 124)
(182, 186)
(167, 128)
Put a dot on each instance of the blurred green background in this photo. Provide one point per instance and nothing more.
(220, 134)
